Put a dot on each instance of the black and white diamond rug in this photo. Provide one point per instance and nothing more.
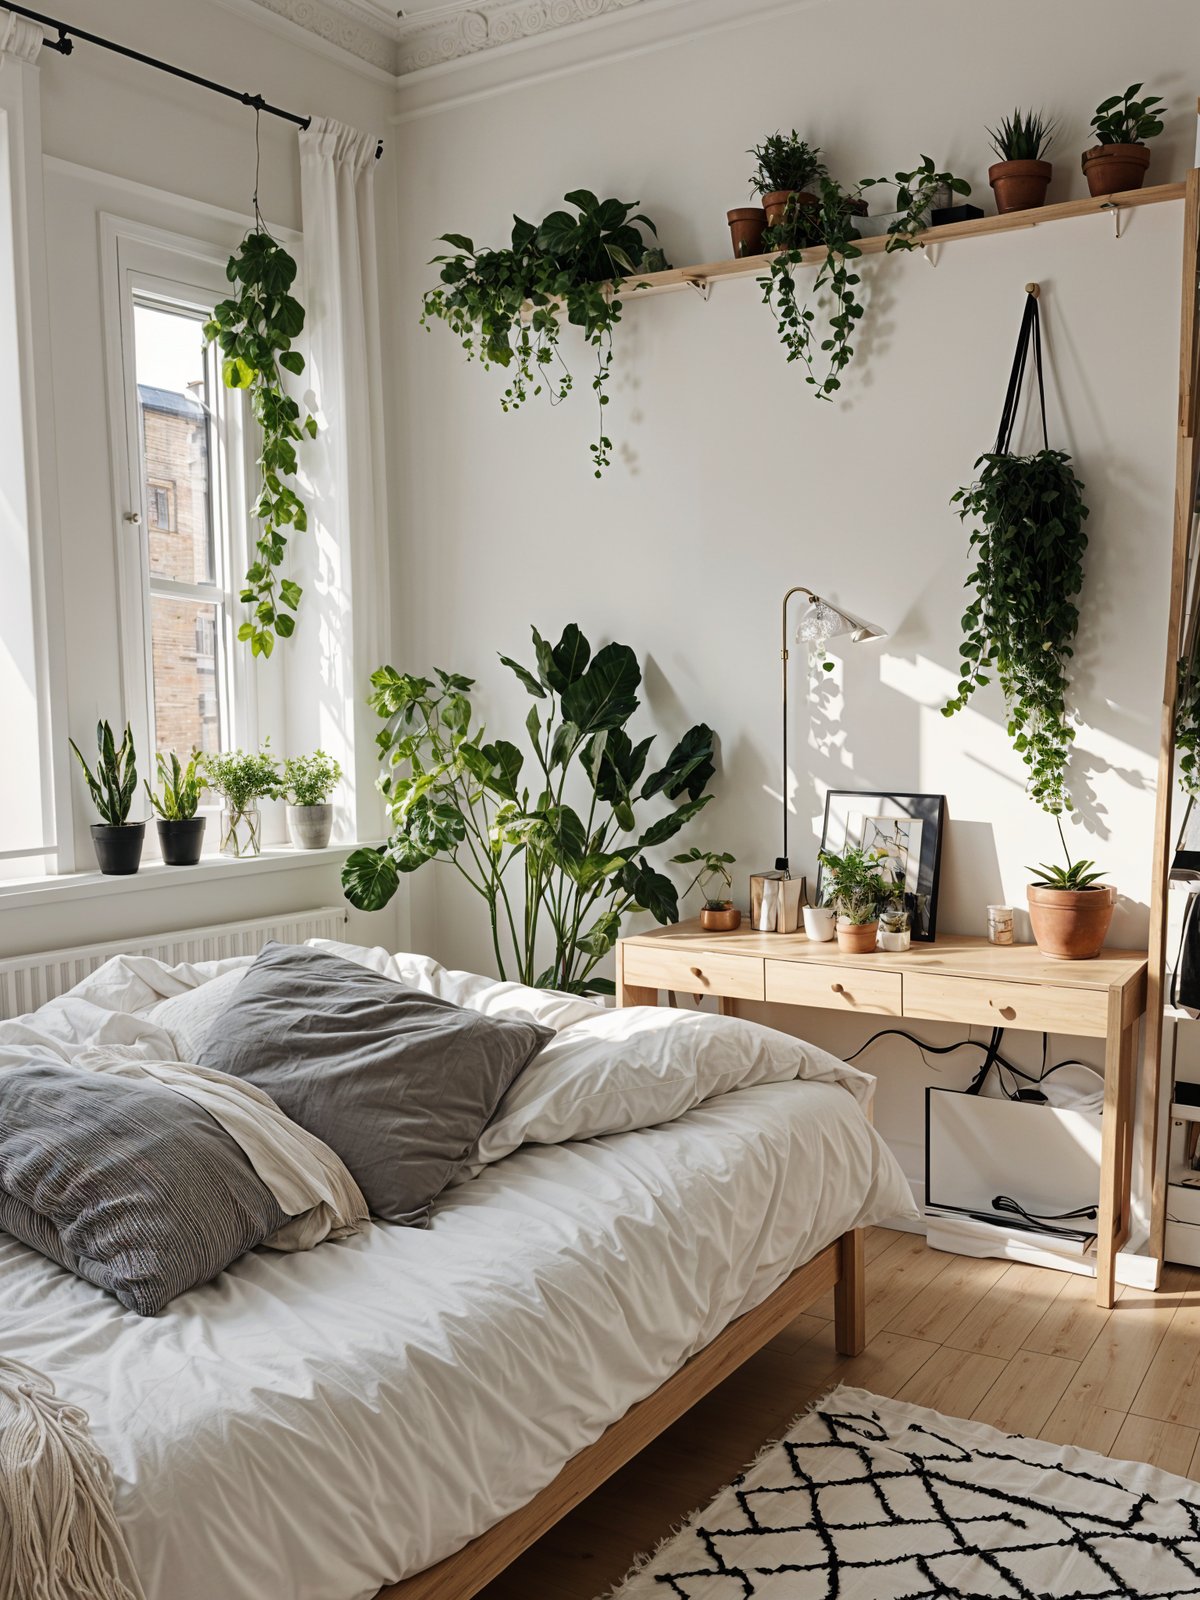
(873, 1499)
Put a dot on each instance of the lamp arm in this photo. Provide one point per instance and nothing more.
(782, 862)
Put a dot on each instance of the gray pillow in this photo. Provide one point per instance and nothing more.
(125, 1183)
(400, 1084)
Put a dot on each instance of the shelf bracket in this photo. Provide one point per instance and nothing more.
(1111, 205)
(702, 286)
(929, 251)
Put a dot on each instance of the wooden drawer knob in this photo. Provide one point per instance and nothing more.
(837, 988)
(1007, 1012)
(697, 972)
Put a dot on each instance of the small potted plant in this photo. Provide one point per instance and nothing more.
(242, 778)
(1022, 175)
(787, 164)
(718, 914)
(180, 830)
(747, 224)
(858, 889)
(1119, 158)
(118, 842)
(308, 781)
(1070, 910)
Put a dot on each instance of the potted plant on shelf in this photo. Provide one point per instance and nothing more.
(1070, 910)
(180, 830)
(787, 164)
(117, 841)
(858, 889)
(747, 224)
(242, 778)
(718, 914)
(1119, 158)
(308, 781)
(1022, 175)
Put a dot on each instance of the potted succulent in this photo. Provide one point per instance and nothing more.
(1022, 175)
(718, 914)
(118, 842)
(787, 164)
(308, 781)
(180, 830)
(242, 778)
(1119, 158)
(1070, 910)
(858, 889)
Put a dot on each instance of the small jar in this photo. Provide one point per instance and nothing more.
(1000, 924)
(241, 833)
(895, 929)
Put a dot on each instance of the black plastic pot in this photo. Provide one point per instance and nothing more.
(181, 841)
(119, 850)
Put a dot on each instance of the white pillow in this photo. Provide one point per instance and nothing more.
(187, 1018)
(638, 1067)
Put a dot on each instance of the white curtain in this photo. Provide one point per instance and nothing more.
(343, 629)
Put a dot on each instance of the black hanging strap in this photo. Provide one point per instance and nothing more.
(1031, 333)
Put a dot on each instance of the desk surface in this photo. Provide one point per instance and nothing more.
(960, 956)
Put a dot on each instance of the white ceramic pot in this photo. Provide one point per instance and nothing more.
(819, 923)
(309, 827)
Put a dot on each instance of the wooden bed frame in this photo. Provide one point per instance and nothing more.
(838, 1267)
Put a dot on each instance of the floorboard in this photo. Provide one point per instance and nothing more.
(1022, 1348)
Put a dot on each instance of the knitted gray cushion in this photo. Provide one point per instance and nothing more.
(125, 1183)
(400, 1084)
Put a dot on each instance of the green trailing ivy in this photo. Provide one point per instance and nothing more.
(254, 330)
(1021, 623)
(826, 351)
(1187, 725)
(560, 860)
(506, 305)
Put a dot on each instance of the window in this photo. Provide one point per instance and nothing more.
(160, 507)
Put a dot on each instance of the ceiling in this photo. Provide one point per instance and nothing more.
(424, 33)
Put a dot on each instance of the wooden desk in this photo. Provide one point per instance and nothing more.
(952, 980)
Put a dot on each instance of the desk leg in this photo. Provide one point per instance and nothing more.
(1116, 1157)
(727, 1006)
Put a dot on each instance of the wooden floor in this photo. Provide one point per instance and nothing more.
(1022, 1348)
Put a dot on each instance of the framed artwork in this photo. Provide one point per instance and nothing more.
(906, 829)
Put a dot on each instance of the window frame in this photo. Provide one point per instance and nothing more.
(147, 264)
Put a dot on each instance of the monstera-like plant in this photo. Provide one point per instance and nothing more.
(558, 861)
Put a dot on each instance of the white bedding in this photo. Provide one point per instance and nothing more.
(315, 1426)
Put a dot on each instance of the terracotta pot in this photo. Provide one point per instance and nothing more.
(1111, 168)
(857, 938)
(727, 920)
(776, 203)
(746, 228)
(1071, 924)
(1020, 185)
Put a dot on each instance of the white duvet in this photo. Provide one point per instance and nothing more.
(314, 1426)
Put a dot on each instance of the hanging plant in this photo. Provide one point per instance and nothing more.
(1022, 620)
(1187, 724)
(833, 223)
(254, 329)
(505, 305)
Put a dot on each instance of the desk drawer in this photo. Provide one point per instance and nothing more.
(739, 977)
(797, 983)
(1042, 1007)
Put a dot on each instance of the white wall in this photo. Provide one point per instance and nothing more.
(730, 482)
(123, 140)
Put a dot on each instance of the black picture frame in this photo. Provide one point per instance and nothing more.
(928, 809)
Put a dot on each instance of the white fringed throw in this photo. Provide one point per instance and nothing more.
(59, 1536)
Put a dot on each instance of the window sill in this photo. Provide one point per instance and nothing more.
(19, 894)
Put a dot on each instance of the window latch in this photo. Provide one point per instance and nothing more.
(135, 517)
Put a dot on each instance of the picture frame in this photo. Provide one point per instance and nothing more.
(908, 827)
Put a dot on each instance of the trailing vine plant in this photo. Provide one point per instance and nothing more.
(832, 224)
(1187, 724)
(1022, 619)
(505, 305)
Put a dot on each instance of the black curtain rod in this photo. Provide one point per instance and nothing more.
(68, 33)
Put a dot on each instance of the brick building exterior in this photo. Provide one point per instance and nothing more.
(175, 443)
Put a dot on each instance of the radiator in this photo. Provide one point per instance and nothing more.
(27, 982)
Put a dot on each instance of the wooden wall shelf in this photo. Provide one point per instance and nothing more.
(700, 277)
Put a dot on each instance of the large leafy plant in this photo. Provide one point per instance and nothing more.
(254, 329)
(505, 305)
(560, 860)
(1021, 622)
(113, 784)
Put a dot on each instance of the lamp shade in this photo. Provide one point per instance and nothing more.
(821, 622)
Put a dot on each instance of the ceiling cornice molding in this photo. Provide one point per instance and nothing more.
(352, 32)
(492, 25)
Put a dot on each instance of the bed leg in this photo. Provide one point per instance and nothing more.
(849, 1297)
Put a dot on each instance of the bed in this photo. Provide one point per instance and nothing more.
(412, 1407)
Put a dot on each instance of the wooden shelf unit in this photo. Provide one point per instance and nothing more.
(698, 277)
